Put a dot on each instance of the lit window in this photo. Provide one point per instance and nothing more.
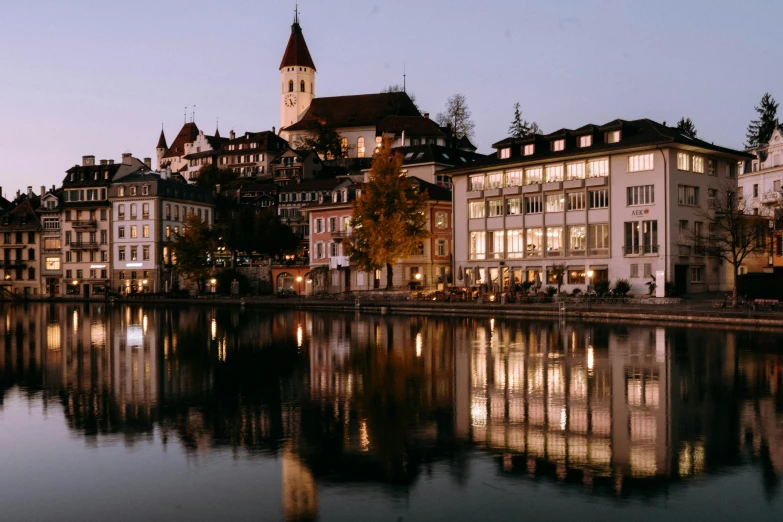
(682, 161)
(495, 207)
(585, 141)
(476, 182)
(505, 153)
(534, 175)
(495, 180)
(612, 137)
(52, 263)
(575, 171)
(360, 147)
(555, 202)
(554, 173)
(476, 209)
(558, 145)
(698, 164)
(478, 247)
(598, 168)
(640, 162)
(514, 179)
(529, 149)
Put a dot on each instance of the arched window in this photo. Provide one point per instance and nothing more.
(360, 148)
(290, 86)
(301, 86)
(285, 282)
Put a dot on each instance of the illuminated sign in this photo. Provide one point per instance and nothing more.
(133, 265)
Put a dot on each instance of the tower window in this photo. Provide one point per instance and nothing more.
(302, 86)
(290, 86)
(360, 147)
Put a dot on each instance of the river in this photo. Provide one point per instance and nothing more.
(134, 412)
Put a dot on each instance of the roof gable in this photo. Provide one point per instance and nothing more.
(187, 134)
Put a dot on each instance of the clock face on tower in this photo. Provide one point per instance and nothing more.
(290, 100)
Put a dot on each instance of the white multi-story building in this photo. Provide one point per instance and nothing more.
(147, 210)
(620, 200)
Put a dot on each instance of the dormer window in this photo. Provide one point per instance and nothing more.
(558, 145)
(585, 141)
(612, 136)
(133, 191)
(505, 153)
(121, 191)
(529, 149)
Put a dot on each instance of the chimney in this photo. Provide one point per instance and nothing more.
(232, 135)
(43, 190)
(111, 162)
(88, 161)
(427, 115)
(273, 129)
(104, 162)
(148, 162)
(126, 158)
(29, 192)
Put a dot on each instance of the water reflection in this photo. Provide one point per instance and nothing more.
(615, 410)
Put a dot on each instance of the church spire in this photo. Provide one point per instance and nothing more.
(162, 141)
(296, 52)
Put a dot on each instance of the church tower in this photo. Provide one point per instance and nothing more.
(297, 78)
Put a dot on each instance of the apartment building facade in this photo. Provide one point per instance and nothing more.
(147, 211)
(761, 191)
(620, 200)
(20, 229)
(50, 212)
(86, 224)
(330, 225)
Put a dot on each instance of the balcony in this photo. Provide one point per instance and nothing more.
(773, 197)
(90, 223)
(339, 235)
(84, 245)
(640, 250)
(13, 263)
(51, 250)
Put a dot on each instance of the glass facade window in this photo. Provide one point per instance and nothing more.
(495, 244)
(534, 175)
(687, 195)
(577, 240)
(534, 238)
(476, 209)
(598, 237)
(513, 206)
(576, 200)
(478, 245)
(495, 207)
(476, 182)
(514, 178)
(554, 173)
(575, 171)
(555, 202)
(554, 241)
(515, 243)
(598, 168)
(641, 195)
(495, 180)
(534, 204)
(598, 198)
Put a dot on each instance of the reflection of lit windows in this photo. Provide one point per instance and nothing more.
(53, 337)
(643, 461)
(642, 426)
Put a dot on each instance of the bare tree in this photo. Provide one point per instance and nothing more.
(732, 234)
(457, 114)
(400, 88)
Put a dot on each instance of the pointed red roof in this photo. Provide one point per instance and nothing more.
(162, 141)
(296, 53)
(187, 134)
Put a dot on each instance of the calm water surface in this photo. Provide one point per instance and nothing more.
(144, 413)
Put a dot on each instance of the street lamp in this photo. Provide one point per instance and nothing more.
(299, 286)
(418, 279)
(213, 282)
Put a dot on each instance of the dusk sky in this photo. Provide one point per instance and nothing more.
(100, 77)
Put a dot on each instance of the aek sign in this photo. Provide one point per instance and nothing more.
(640, 212)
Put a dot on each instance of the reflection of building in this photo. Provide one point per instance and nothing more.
(577, 402)
(300, 493)
(135, 364)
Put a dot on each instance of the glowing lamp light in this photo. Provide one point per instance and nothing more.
(589, 273)
(75, 283)
(417, 276)
(213, 281)
(299, 279)
(144, 281)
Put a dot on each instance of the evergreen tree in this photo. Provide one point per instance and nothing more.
(457, 114)
(686, 126)
(760, 130)
(388, 220)
(519, 128)
(210, 175)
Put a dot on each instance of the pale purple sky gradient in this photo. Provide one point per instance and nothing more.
(99, 77)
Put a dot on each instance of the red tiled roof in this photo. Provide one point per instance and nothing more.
(187, 134)
(359, 110)
(296, 53)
